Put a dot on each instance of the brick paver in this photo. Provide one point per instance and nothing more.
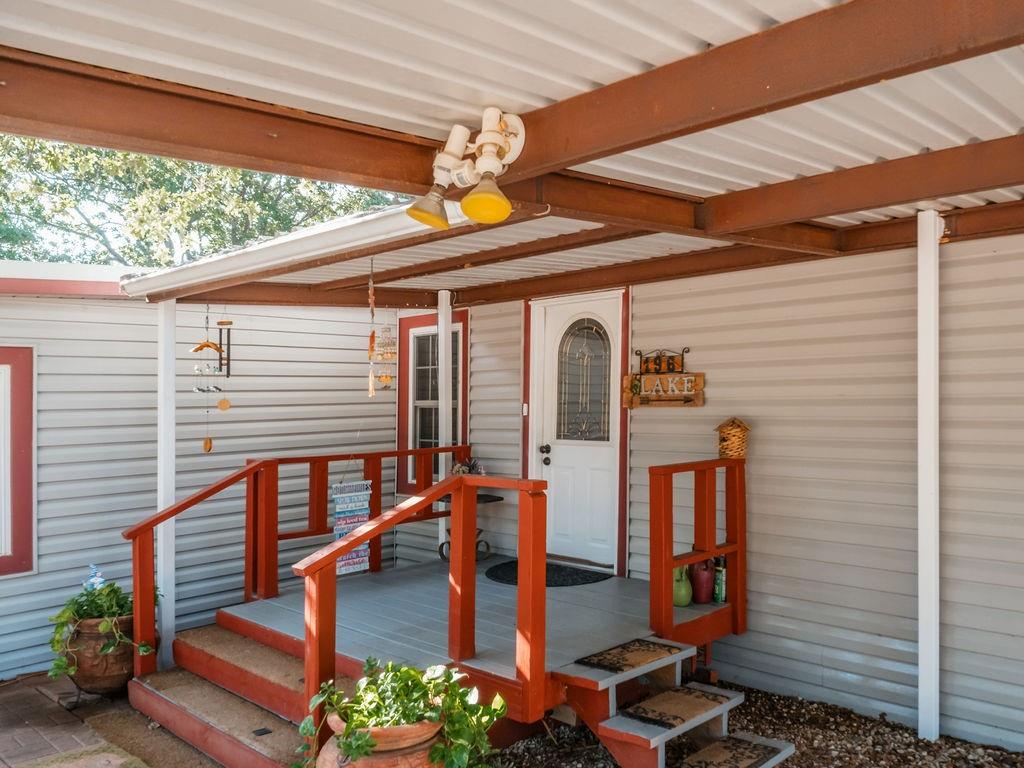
(34, 726)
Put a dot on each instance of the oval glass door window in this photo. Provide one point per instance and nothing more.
(584, 382)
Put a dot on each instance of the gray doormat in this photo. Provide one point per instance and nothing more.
(557, 575)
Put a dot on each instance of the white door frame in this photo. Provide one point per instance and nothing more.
(535, 354)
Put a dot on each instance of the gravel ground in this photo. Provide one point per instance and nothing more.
(825, 737)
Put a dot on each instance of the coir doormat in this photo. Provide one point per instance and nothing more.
(629, 655)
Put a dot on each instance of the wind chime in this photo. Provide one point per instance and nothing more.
(382, 351)
(208, 369)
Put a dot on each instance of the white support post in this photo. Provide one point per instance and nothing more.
(929, 231)
(444, 388)
(165, 470)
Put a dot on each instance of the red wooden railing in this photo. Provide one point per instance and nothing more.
(261, 524)
(711, 626)
(321, 583)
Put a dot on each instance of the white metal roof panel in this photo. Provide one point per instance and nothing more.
(634, 249)
(485, 240)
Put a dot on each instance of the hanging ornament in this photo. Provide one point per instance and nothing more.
(372, 344)
(205, 370)
(386, 351)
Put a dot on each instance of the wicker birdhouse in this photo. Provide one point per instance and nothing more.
(732, 439)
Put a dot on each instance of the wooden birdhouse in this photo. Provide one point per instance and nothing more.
(732, 439)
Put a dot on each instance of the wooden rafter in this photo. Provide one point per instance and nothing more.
(539, 247)
(852, 45)
(288, 294)
(959, 170)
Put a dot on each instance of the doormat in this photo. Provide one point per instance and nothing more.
(557, 575)
(629, 655)
(674, 707)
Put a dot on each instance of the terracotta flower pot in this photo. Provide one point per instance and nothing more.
(100, 673)
(399, 746)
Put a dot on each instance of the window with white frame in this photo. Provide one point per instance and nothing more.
(423, 427)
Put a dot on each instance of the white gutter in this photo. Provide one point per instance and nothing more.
(307, 244)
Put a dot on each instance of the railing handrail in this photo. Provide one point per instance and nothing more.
(327, 555)
(187, 503)
(693, 466)
(254, 466)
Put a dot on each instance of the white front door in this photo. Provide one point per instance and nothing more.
(574, 432)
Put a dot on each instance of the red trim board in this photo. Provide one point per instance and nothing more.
(22, 467)
(30, 286)
(405, 327)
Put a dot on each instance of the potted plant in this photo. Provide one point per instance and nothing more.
(401, 716)
(92, 637)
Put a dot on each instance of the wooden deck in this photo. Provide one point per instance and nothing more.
(402, 615)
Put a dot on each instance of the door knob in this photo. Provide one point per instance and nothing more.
(546, 461)
(545, 449)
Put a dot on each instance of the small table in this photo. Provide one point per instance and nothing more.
(483, 548)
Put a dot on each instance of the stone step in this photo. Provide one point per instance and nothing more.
(650, 723)
(605, 669)
(234, 732)
(740, 750)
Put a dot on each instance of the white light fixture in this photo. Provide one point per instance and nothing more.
(497, 146)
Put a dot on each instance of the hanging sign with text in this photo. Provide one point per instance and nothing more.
(663, 381)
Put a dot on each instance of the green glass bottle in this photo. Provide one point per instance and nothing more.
(718, 595)
(682, 590)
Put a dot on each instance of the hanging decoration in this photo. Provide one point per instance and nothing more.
(208, 369)
(663, 381)
(371, 299)
(385, 355)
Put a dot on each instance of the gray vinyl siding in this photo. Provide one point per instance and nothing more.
(819, 358)
(495, 425)
(982, 490)
(298, 387)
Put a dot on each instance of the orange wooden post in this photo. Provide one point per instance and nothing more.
(705, 531)
(251, 533)
(662, 552)
(266, 524)
(372, 472)
(319, 660)
(462, 575)
(424, 471)
(531, 595)
(736, 533)
(144, 599)
(317, 518)
(462, 453)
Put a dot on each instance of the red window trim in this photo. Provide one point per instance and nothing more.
(22, 557)
(405, 328)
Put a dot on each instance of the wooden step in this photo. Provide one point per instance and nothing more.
(256, 672)
(234, 732)
(649, 654)
(740, 750)
(651, 722)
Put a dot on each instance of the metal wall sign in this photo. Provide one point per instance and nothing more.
(663, 381)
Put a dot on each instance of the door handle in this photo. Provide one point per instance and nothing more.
(545, 448)
(546, 461)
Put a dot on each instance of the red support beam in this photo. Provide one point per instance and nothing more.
(144, 601)
(661, 543)
(462, 575)
(319, 659)
(788, 64)
(424, 471)
(266, 525)
(292, 294)
(736, 534)
(251, 534)
(531, 630)
(705, 533)
(318, 491)
(372, 471)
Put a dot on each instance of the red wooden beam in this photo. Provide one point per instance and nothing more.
(320, 610)
(290, 294)
(372, 471)
(144, 601)
(661, 545)
(852, 45)
(266, 526)
(959, 170)
(462, 575)
(531, 630)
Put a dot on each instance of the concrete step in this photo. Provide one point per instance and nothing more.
(653, 654)
(231, 730)
(638, 734)
(256, 672)
(740, 750)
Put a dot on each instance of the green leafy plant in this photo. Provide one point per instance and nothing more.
(395, 694)
(99, 599)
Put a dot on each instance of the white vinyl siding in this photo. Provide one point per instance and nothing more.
(819, 359)
(982, 490)
(298, 386)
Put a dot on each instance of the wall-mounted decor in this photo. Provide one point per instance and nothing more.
(663, 381)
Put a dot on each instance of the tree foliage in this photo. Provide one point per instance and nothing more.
(66, 202)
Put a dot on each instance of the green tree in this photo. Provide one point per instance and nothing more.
(66, 202)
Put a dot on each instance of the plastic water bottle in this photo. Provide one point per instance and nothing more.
(719, 591)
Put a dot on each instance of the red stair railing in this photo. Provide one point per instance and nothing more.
(321, 583)
(710, 626)
(261, 525)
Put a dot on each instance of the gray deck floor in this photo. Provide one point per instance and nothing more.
(402, 615)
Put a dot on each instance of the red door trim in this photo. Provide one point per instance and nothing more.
(22, 469)
(405, 326)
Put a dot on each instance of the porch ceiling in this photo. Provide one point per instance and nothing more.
(769, 111)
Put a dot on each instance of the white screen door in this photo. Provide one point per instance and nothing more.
(576, 360)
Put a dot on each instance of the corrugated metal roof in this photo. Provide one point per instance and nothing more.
(485, 240)
(634, 249)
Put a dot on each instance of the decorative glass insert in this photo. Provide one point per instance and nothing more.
(584, 382)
